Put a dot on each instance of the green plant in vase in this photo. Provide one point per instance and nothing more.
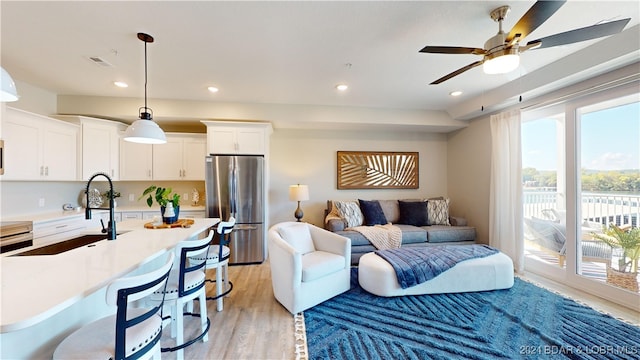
(167, 200)
(108, 195)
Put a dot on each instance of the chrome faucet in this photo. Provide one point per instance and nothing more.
(111, 227)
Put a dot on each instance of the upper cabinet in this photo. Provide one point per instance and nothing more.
(242, 138)
(99, 144)
(38, 147)
(136, 161)
(181, 158)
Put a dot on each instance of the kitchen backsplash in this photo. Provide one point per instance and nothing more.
(19, 198)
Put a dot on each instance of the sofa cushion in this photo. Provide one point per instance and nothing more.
(372, 212)
(445, 233)
(391, 210)
(298, 236)
(350, 212)
(413, 213)
(438, 212)
(318, 264)
(412, 234)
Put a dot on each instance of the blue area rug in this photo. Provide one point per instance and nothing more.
(525, 321)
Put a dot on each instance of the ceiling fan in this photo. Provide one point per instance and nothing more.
(501, 53)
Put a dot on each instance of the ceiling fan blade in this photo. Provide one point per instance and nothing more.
(458, 72)
(534, 17)
(452, 50)
(582, 34)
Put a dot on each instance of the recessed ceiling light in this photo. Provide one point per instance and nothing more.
(456, 93)
(120, 84)
(213, 89)
(342, 87)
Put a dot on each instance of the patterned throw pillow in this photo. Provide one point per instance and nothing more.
(438, 212)
(350, 212)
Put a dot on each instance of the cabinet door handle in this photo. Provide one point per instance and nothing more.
(149, 172)
(46, 171)
(41, 170)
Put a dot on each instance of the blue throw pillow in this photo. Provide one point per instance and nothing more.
(372, 211)
(413, 213)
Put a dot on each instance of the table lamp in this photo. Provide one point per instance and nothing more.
(298, 193)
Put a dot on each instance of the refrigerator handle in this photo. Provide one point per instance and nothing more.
(233, 188)
(245, 227)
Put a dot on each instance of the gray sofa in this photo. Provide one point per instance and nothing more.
(457, 232)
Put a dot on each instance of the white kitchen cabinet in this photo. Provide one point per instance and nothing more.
(242, 138)
(181, 158)
(58, 229)
(38, 147)
(136, 161)
(99, 144)
(130, 215)
(191, 214)
(149, 215)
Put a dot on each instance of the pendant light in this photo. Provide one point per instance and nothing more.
(145, 130)
(9, 91)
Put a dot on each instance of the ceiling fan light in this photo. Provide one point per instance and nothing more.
(145, 132)
(8, 92)
(501, 64)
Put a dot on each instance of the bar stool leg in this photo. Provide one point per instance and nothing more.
(219, 301)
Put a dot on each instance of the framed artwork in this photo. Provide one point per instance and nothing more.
(377, 170)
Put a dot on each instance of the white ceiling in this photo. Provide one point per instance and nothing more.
(279, 52)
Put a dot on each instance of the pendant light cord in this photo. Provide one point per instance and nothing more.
(145, 76)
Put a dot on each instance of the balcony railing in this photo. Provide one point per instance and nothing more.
(603, 208)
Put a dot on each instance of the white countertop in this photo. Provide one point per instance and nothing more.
(37, 287)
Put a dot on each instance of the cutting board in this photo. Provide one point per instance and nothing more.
(184, 223)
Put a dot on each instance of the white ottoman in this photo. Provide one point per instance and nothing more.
(493, 272)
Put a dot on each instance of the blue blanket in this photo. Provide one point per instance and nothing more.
(415, 265)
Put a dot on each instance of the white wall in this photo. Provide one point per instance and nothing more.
(35, 99)
(309, 157)
(468, 174)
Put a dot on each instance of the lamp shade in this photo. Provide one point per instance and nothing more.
(145, 132)
(298, 192)
(9, 91)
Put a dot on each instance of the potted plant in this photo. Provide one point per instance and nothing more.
(627, 240)
(165, 199)
(108, 195)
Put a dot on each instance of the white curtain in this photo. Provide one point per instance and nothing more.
(505, 206)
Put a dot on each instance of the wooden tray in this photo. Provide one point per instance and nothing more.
(184, 223)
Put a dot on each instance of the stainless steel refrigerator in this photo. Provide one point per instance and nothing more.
(234, 186)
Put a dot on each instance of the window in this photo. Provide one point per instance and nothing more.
(581, 173)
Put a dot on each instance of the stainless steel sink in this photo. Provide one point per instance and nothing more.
(63, 246)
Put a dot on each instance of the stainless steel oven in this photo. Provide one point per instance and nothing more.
(15, 235)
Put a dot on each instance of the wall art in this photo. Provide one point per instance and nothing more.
(377, 170)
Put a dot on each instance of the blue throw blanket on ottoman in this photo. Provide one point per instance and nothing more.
(415, 265)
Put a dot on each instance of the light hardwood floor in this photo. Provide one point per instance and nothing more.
(253, 325)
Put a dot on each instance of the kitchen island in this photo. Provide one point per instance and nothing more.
(44, 298)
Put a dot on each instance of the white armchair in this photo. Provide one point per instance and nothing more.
(308, 264)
